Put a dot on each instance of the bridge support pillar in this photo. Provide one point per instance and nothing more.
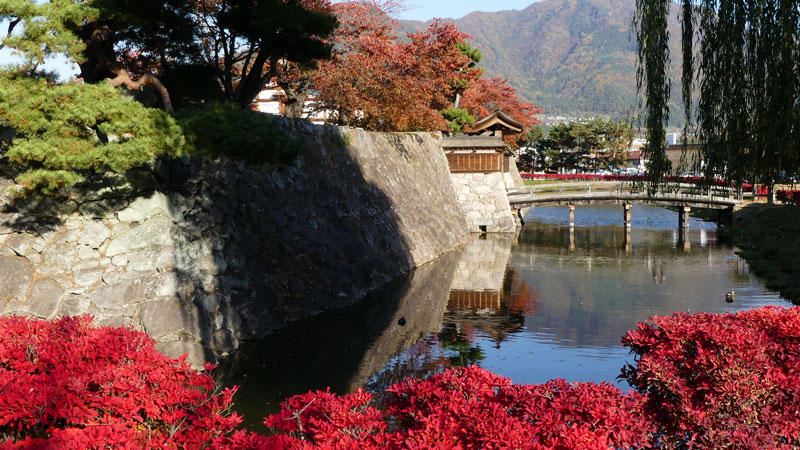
(571, 216)
(627, 214)
(683, 216)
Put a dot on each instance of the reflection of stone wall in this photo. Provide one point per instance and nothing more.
(420, 311)
(483, 263)
(201, 254)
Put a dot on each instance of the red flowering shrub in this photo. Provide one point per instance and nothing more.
(630, 178)
(468, 408)
(705, 380)
(721, 380)
(789, 196)
(65, 384)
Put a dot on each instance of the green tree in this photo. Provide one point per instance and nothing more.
(123, 41)
(250, 41)
(457, 118)
(131, 42)
(68, 133)
(592, 145)
(606, 141)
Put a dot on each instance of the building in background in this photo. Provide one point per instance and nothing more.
(272, 100)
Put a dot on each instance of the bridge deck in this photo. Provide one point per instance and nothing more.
(623, 192)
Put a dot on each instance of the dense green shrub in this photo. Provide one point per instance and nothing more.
(68, 132)
(768, 239)
(226, 129)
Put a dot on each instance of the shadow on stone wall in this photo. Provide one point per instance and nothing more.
(204, 254)
(259, 249)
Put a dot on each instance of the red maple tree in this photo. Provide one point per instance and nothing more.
(381, 82)
(488, 95)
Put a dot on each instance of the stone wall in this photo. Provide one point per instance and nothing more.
(484, 201)
(204, 254)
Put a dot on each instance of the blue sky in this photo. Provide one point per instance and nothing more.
(416, 10)
(428, 9)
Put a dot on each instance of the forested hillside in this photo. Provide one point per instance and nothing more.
(567, 56)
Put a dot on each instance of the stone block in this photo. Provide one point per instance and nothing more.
(224, 341)
(86, 278)
(45, 297)
(93, 234)
(151, 260)
(116, 295)
(97, 210)
(21, 244)
(196, 354)
(58, 259)
(73, 305)
(154, 232)
(143, 207)
(15, 277)
(171, 316)
(114, 321)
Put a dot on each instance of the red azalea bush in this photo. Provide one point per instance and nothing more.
(65, 384)
(629, 178)
(704, 380)
(789, 196)
(468, 408)
(720, 380)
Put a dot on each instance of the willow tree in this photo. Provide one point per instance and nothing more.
(741, 57)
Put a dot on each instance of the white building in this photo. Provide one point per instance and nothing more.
(272, 100)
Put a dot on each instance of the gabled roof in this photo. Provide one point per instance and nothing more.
(498, 118)
(473, 142)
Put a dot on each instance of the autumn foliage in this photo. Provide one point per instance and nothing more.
(702, 380)
(383, 81)
(488, 95)
(65, 384)
(718, 381)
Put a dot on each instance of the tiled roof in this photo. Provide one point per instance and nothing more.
(473, 142)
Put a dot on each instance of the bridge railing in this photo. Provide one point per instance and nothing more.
(619, 188)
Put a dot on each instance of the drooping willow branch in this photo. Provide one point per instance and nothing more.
(743, 56)
(653, 40)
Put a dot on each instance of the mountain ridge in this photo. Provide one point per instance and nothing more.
(570, 57)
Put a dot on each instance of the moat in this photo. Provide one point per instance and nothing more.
(549, 302)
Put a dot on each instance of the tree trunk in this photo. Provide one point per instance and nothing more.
(296, 96)
(295, 106)
(101, 64)
(252, 83)
(124, 79)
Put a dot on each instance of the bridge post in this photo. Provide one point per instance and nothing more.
(683, 216)
(571, 216)
(627, 214)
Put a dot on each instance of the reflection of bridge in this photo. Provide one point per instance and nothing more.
(586, 193)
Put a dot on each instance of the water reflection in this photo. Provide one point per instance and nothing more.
(344, 348)
(551, 302)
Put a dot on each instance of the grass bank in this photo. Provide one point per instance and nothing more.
(768, 239)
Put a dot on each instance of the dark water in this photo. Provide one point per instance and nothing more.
(550, 302)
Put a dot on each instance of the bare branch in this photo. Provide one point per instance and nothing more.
(123, 79)
(11, 26)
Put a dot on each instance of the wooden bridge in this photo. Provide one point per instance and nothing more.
(682, 195)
